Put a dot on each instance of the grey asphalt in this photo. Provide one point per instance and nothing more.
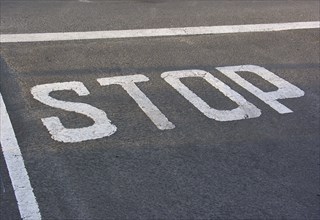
(261, 168)
(31, 16)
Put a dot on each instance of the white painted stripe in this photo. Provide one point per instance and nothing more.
(27, 203)
(184, 31)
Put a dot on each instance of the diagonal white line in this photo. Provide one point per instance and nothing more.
(161, 32)
(27, 203)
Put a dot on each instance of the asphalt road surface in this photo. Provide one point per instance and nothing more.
(135, 141)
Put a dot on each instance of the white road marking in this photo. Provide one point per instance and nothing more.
(102, 126)
(245, 109)
(160, 32)
(285, 89)
(25, 197)
(128, 84)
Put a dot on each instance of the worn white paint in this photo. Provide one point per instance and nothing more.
(245, 109)
(128, 84)
(27, 203)
(285, 89)
(102, 126)
(160, 32)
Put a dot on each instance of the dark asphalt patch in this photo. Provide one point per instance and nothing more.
(265, 167)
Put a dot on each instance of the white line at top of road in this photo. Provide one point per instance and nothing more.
(27, 203)
(160, 32)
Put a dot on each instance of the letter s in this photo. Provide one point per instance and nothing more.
(102, 126)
